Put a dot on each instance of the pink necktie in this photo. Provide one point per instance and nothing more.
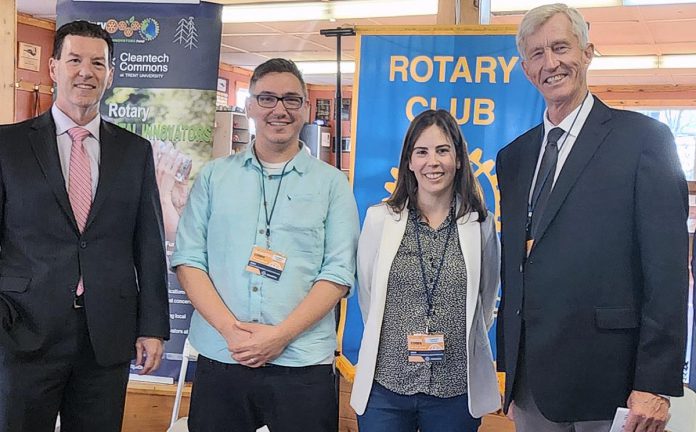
(79, 183)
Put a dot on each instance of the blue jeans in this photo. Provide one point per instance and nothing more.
(391, 412)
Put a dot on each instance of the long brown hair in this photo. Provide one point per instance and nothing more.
(466, 187)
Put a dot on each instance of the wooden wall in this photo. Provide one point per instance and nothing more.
(30, 83)
(236, 78)
(329, 92)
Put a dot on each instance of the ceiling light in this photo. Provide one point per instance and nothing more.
(324, 67)
(498, 6)
(624, 62)
(678, 61)
(318, 11)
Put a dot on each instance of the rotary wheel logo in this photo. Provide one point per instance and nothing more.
(148, 29)
(481, 168)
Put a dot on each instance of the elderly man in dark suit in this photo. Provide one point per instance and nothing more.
(82, 264)
(595, 249)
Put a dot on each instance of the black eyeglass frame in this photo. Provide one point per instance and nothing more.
(281, 99)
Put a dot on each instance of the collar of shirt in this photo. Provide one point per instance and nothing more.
(299, 162)
(419, 219)
(582, 112)
(64, 123)
(572, 124)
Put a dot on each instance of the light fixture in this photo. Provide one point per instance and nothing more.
(509, 6)
(624, 62)
(334, 10)
(324, 67)
(678, 61)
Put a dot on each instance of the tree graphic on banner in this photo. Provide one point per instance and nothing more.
(186, 33)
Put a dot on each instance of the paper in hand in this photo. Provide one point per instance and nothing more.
(619, 420)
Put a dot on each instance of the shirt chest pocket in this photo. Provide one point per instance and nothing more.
(300, 223)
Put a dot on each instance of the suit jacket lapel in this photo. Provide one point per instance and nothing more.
(469, 230)
(45, 146)
(109, 162)
(591, 137)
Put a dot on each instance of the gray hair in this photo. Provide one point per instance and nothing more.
(536, 17)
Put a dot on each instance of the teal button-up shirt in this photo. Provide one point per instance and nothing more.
(315, 224)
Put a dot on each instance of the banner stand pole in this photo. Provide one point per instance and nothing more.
(338, 107)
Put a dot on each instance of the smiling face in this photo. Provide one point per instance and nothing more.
(556, 64)
(277, 129)
(82, 74)
(434, 163)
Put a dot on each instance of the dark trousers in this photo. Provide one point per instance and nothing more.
(392, 412)
(235, 398)
(64, 377)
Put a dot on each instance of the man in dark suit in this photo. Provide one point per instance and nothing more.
(595, 250)
(81, 252)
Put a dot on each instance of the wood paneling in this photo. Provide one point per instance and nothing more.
(647, 96)
(8, 38)
(236, 78)
(149, 406)
(36, 32)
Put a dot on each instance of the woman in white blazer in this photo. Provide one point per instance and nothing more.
(428, 273)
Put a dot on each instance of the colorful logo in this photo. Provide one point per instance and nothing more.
(146, 30)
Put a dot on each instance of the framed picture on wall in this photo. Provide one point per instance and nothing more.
(345, 113)
(323, 110)
(345, 144)
(222, 84)
(29, 56)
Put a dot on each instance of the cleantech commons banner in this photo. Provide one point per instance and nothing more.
(166, 60)
(474, 72)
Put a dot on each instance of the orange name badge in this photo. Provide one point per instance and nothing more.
(266, 263)
(426, 347)
(528, 244)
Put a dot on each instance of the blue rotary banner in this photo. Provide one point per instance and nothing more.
(473, 72)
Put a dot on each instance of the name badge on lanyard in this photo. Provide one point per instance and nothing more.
(267, 263)
(424, 347)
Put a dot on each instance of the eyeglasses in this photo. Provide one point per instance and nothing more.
(270, 101)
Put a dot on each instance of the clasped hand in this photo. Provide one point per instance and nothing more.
(254, 345)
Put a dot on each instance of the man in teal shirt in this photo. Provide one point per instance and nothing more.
(265, 249)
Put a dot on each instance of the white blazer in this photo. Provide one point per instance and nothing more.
(380, 238)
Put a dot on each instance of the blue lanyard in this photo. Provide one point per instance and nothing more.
(430, 292)
(269, 216)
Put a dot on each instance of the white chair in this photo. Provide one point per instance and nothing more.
(683, 413)
(181, 424)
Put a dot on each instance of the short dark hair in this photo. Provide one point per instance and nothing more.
(81, 28)
(466, 187)
(277, 65)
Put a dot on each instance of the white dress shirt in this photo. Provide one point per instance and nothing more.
(91, 143)
(572, 125)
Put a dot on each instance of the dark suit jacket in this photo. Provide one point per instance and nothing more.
(605, 285)
(120, 254)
